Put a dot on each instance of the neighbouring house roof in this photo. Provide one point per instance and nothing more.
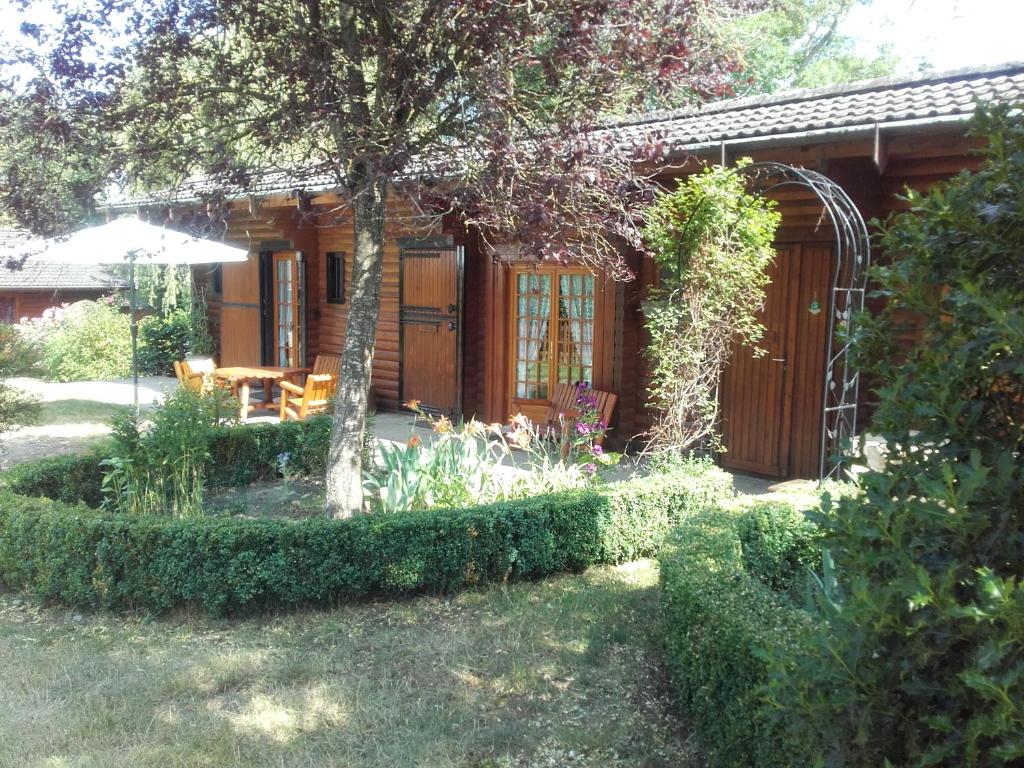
(887, 103)
(46, 276)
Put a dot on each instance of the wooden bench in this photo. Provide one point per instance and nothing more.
(564, 408)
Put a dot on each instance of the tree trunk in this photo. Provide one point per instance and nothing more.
(344, 459)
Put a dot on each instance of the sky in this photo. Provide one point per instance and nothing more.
(942, 34)
(936, 34)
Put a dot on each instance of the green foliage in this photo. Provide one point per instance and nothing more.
(713, 240)
(91, 341)
(924, 664)
(796, 43)
(71, 479)
(238, 455)
(160, 470)
(162, 340)
(465, 465)
(97, 559)
(16, 358)
(722, 623)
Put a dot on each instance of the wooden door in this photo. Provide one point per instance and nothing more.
(287, 308)
(431, 328)
(240, 313)
(771, 404)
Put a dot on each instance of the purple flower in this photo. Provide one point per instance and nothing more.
(597, 450)
(590, 468)
(582, 428)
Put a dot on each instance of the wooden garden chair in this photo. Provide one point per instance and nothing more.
(198, 374)
(564, 408)
(313, 396)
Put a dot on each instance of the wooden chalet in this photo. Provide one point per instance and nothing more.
(27, 292)
(473, 333)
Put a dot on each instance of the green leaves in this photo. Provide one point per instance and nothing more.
(713, 242)
(927, 643)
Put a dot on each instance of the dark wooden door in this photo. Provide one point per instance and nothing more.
(430, 334)
(771, 404)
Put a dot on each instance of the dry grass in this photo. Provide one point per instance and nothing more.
(563, 672)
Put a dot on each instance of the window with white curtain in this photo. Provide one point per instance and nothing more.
(554, 330)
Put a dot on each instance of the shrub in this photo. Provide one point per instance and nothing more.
(17, 408)
(71, 479)
(103, 560)
(161, 470)
(162, 340)
(924, 663)
(238, 455)
(721, 621)
(91, 340)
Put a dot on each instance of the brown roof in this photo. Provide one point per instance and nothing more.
(47, 276)
(949, 96)
(888, 103)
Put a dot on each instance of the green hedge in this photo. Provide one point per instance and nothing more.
(93, 559)
(720, 618)
(239, 455)
(74, 478)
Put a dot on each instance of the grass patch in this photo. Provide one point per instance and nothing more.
(79, 412)
(562, 671)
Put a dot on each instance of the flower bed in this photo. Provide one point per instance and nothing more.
(83, 557)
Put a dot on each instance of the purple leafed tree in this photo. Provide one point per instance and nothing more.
(488, 109)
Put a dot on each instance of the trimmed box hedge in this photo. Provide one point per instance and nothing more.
(94, 559)
(239, 455)
(723, 610)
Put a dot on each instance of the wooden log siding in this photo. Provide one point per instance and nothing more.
(917, 161)
(337, 235)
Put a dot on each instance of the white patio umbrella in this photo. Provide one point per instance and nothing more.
(131, 241)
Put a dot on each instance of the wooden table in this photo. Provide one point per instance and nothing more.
(241, 376)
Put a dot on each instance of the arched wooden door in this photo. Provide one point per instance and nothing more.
(771, 405)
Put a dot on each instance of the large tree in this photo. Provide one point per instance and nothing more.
(484, 108)
(800, 44)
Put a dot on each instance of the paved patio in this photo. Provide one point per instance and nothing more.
(91, 422)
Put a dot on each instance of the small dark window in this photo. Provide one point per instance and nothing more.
(218, 279)
(335, 277)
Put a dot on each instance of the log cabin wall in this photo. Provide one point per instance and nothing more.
(916, 161)
(335, 234)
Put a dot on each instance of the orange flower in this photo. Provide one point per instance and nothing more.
(414, 442)
(519, 421)
(412, 405)
(442, 425)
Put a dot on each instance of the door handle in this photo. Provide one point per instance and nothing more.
(785, 363)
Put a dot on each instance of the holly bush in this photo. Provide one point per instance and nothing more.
(924, 661)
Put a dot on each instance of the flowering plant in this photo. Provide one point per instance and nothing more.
(582, 432)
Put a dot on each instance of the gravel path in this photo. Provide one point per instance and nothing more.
(56, 435)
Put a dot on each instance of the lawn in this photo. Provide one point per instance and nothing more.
(564, 671)
(78, 412)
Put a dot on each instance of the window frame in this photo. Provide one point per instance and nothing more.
(335, 289)
(552, 331)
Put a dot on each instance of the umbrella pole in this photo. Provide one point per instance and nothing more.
(135, 334)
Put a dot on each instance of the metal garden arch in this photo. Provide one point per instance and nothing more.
(849, 284)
